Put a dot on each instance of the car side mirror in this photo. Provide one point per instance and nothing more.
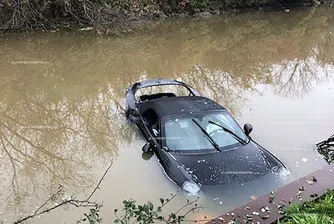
(147, 147)
(147, 156)
(248, 128)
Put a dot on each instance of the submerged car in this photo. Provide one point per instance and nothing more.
(196, 140)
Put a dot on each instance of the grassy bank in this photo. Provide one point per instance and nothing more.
(320, 211)
(34, 14)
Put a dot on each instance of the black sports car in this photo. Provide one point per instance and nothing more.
(196, 140)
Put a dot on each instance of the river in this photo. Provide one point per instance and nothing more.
(62, 100)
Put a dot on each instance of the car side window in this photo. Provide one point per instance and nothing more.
(151, 120)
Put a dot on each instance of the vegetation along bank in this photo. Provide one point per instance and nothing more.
(46, 14)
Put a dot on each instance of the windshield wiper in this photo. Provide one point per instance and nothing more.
(230, 132)
(215, 145)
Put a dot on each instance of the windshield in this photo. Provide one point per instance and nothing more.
(181, 133)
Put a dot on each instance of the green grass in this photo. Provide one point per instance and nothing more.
(320, 211)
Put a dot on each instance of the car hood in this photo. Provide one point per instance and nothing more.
(239, 165)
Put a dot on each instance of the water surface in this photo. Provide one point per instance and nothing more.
(62, 101)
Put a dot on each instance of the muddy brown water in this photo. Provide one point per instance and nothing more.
(62, 94)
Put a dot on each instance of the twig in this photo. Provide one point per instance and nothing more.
(192, 209)
(186, 205)
(196, 220)
(76, 203)
(100, 181)
(73, 201)
(59, 190)
(169, 200)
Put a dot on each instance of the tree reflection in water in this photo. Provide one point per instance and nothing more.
(61, 120)
(45, 142)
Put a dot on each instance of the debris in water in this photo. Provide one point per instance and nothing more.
(310, 182)
(263, 210)
(221, 219)
(249, 217)
(201, 161)
(247, 208)
(271, 197)
(265, 217)
(86, 28)
(220, 202)
(255, 213)
(314, 195)
(67, 197)
(304, 160)
(267, 208)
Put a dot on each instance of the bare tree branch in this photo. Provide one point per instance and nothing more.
(72, 201)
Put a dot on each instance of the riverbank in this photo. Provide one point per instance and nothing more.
(17, 15)
(286, 204)
(319, 211)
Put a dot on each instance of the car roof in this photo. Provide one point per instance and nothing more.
(179, 105)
